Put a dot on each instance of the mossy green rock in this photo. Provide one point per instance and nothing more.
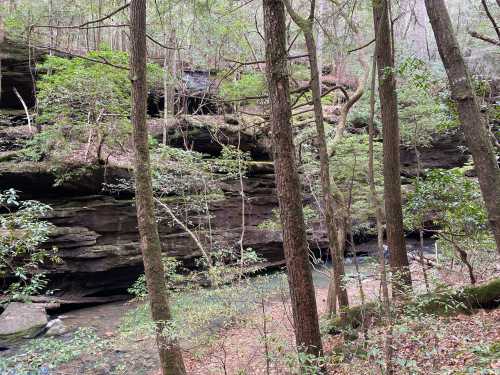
(20, 321)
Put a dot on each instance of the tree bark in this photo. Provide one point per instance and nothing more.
(2, 38)
(305, 315)
(335, 240)
(473, 124)
(398, 258)
(171, 361)
(377, 206)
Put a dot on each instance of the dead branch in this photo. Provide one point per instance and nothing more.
(484, 38)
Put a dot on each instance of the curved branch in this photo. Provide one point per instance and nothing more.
(493, 22)
(106, 16)
(185, 227)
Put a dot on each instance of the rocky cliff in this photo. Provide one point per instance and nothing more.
(97, 237)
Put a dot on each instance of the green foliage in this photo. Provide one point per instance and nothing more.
(486, 354)
(172, 278)
(248, 85)
(422, 111)
(82, 100)
(78, 90)
(274, 223)
(200, 313)
(300, 72)
(21, 251)
(349, 168)
(454, 204)
(45, 354)
(41, 145)
(452, 200)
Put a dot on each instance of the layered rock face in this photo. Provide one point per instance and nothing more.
(97, 235)
(17, 72)
(98, 240)
(445, 151)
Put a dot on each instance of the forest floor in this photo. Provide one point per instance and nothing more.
(461, 344)
(423, 344)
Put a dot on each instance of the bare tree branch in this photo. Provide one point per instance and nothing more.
(106, 16)
(484, 38)
(361, 47)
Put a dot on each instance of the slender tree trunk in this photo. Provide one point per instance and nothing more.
(2, 38)
(335, 240)
(473, 124)
(99, 30)
(392, 179)
(172, 64)
(421, 229)
(51, 30)
(3, 13)
(288, 187)
(320, 38)
(377, 206)
(171, 361)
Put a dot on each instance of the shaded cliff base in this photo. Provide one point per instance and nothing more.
(121, 341)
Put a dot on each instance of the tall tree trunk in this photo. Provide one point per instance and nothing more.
(170, 355)
(377, 206)
(392, 180)
(99, 30)
(2, 38)
(320, 38)
(473, 124)
(335, 240)
(288, 187)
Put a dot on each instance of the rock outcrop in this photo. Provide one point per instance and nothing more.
(444, 151)
(97, 235)
(56, 327)
(18, 71)
(207, 134)
(98, 240)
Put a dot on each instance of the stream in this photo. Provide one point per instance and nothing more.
(106, 318)
(122, 344)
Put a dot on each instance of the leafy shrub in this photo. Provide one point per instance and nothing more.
(454, 204)
(172, 278)
(451, 199)
(84, 100)
(21, 251)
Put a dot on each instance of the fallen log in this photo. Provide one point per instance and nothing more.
(441, 302)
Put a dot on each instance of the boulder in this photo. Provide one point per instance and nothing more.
(56, 327)
(20, 321)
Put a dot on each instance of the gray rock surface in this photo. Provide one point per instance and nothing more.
(20, 321)
(56, 327)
